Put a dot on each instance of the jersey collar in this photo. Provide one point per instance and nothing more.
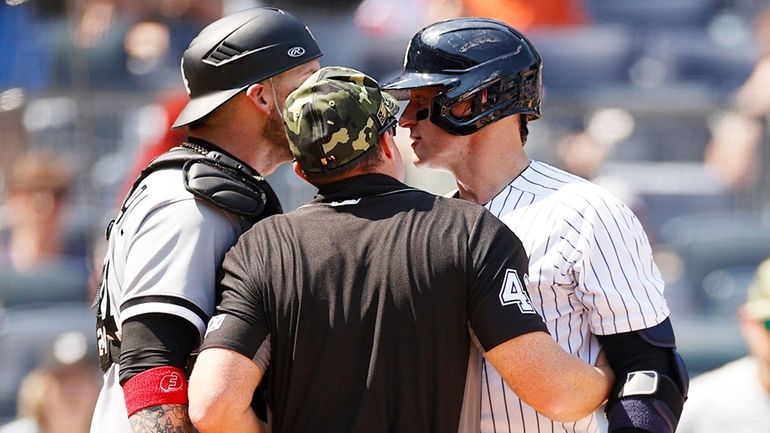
(358, 187)
(520, 182)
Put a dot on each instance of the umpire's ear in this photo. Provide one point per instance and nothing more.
(256, 95)
(299, 172)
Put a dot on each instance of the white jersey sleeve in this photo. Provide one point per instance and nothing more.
(165, 250)
(616, 277)
(172, 262)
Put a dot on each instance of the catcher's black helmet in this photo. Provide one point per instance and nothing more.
(467, 56)
(237, 51)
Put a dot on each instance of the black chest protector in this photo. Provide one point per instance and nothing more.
(210, 175)
(218, 178)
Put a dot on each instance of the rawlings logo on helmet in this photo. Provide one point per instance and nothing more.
(296, 52)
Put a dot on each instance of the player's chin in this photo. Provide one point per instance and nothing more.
(425, 161)
(417, 161)
(420, 159)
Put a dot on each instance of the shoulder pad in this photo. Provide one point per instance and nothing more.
(225, 186)
(218, 179)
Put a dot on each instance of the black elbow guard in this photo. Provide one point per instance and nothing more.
(652, 380)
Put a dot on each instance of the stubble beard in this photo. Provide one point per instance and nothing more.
(275, 138)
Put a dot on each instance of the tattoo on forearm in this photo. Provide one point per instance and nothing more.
(166, 418)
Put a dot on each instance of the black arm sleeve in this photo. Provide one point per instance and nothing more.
(629, 352)
(155, 340)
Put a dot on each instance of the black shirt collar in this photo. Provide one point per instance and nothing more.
(358, 187)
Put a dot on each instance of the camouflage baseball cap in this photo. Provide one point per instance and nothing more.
(758, 303)
(335, 116)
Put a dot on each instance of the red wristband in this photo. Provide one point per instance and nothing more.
(154, 387)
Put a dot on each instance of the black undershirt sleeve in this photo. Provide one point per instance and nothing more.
(155, 340)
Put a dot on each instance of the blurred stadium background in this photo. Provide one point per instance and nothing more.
(663, 102)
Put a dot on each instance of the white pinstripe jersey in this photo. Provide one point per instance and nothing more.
(591, 273)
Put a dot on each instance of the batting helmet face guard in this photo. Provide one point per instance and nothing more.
(237, 51)
(473, 59)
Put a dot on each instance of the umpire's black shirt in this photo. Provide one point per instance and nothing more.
(367, 294)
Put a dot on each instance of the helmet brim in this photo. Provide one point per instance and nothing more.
(414, 80)
(202, 105)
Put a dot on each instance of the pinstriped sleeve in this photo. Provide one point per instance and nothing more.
(616, 277)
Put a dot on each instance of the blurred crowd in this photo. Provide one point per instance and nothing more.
(663, 102)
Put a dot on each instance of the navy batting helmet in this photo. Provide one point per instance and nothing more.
(477, 59)
(237, 51)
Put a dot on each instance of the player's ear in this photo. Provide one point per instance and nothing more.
(256, 95)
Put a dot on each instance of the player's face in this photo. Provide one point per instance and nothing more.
(433, 147)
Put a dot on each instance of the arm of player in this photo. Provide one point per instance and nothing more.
(154, 352)
(167, 300)
(157, 419)
(516, 341)
(555, 383)
(651, 376)
(235, 351)
(221, 387)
